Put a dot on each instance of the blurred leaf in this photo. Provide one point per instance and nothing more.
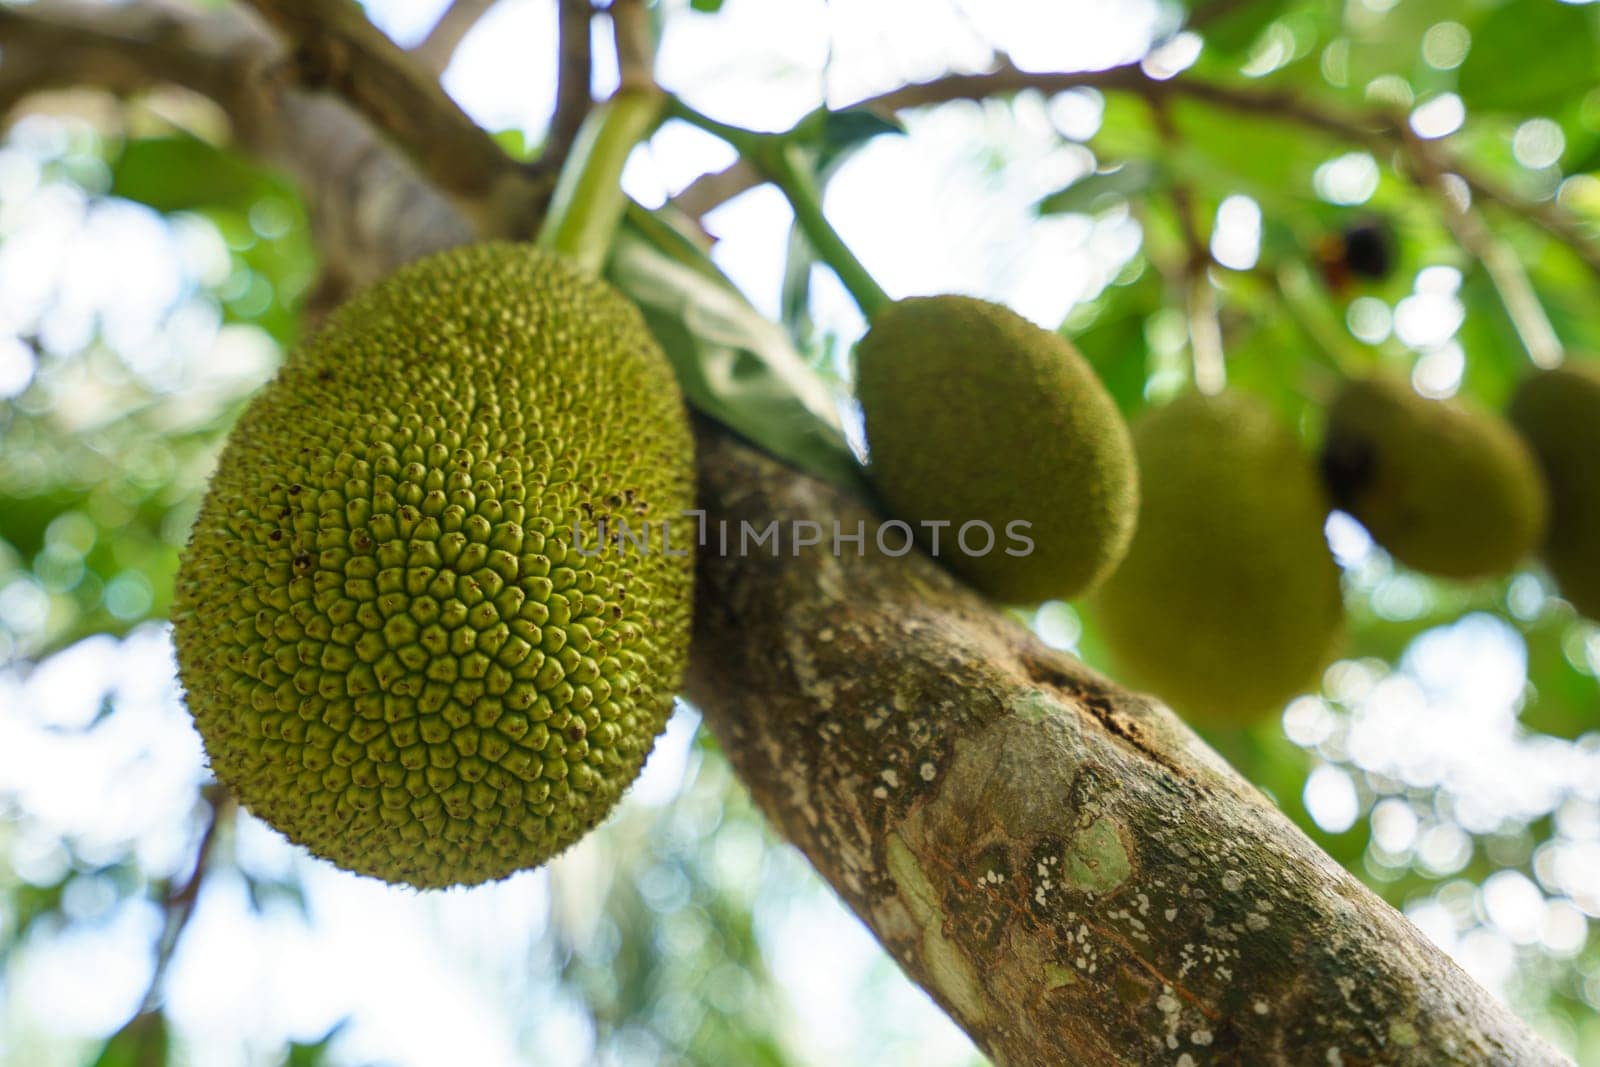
(1230, 26)
(315, 1053)
(1531, 56)
(733, 364)
(855, 126)
(185, 173)
(1115, 345)
(709, 7)
(517, 143)
(265, 892)
(1093, 192)
(144, 1042)
(1585, 161)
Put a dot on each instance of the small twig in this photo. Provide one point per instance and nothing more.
(1291, 283)
(1506, 274)
(773, 155)
(1213, 10)
(636, 45)
(180, 898)
(1205, 336)
(574, 76)
(710, 191)
(1200, 296)
(439, 47)
(1378, 132)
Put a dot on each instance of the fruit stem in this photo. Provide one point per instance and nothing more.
(777, 157)
(1205, 336)
(588, 202)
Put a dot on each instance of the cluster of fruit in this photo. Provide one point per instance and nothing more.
(398, 657)
(1198, 538)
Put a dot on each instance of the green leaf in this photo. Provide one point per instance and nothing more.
(314, 1053)
(1531, 56)
(855, 126)
(733, 364)
(709, 7)
(1586, 160)
(185, 173)
(1235, 27)
(1100, 190)
(144, 1040)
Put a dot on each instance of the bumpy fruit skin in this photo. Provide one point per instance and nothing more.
(392, 648)
(975, 414)
(1558, 411)
(1444, 486)
(1228, 603)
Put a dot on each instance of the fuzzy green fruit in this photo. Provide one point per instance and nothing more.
(975, 415)
(1228, 603)
(391, 645)
(1444, 486)
(1558, 411)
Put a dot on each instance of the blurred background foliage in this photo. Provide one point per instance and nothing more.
(150, 279)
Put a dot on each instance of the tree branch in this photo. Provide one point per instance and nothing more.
(635, 43)
(1378, 132)
(710, 191)
(1510, 281)
(334, 46)
(437, 49)
(370, 208)
(1069, 871)
(574, 75)
(180, 897)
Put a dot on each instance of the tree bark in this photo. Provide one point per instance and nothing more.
(1064, 866)
(1070, 872)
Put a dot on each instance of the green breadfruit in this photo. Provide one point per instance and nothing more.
(1444, 486)
(973, 414)
(1558, 411)
(398, 637)
(1228, 603)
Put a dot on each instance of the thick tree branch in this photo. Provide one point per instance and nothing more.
(334, 46)
(370, 207)
(1070, 872)
(439, 47)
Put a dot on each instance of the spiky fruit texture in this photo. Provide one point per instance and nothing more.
(974, 414)
(1444, 486)
(392, 648)
(1558, 411)
(1228, 603)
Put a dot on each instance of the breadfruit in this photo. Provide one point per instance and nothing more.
(399, 638)
(1444, 486)
(977, 418)
(1229, 602)
(1558, 411)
